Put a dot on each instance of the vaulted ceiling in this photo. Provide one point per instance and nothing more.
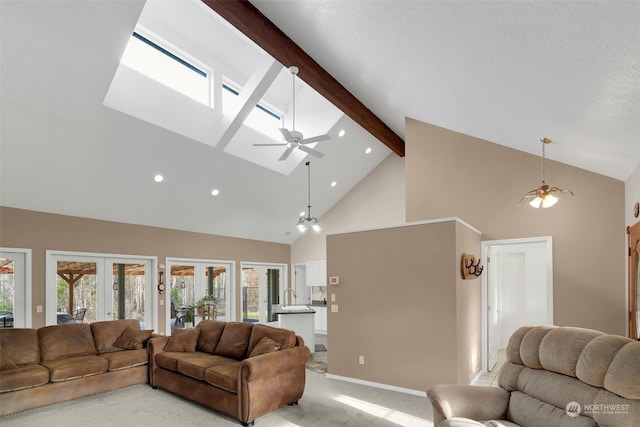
(508, 72)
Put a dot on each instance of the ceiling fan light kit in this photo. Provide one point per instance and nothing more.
(305, 222)
(544, 196)
(295, 139)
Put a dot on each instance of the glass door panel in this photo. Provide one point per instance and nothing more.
(128, 285)
(76, 291)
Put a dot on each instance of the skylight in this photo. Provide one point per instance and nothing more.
(262, 118)
(158, 63)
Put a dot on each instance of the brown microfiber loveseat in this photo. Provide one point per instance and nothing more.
(553, 377)
(53, 364)
(240, 369)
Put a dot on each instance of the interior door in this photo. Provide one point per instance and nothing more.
(518, 290)
(634, 281)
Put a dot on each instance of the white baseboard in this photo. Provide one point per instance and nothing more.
(378, 385)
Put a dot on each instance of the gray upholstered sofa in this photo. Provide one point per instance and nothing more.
(53, 364)
(553, 377)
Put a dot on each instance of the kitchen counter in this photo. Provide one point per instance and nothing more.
(299, 319)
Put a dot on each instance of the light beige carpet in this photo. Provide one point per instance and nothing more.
(326, 402)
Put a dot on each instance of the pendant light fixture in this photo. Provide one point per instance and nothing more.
(544, 195)
(309, 221)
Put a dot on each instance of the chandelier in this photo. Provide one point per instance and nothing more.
(544, 195)
(309, 221)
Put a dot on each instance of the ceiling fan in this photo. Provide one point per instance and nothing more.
(294, 139)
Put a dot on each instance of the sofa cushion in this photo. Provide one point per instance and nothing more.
(26, 376)
(194, 367)
(560, 348)
(234, 340)
(529, 411)
(62, 341)
(285, 337)
(119, 360)
(105, 333)
(513, 346)
(223, 376)
(76, 367)
(265, 345)
(21, 345)
(597, 356)
(530, 346)
(133, 338)
(183, 340)
(6, 361)
(210, 333)
(624, 371)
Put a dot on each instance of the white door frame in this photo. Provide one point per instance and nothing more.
(485, 245)
(22, 293)
(231, 292)
(151, 293)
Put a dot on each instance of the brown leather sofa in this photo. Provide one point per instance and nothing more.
(553, 376)
(239, 369)
(53, 364)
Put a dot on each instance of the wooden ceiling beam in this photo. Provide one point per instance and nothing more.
(252, 23)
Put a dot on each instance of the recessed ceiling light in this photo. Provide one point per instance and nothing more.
(158, 178)
(334, 183)
(368, 150)
(341, 133)
(215, 192)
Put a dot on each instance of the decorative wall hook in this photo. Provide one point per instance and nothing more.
(470, 267)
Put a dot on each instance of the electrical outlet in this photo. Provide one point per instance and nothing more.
(334, 308)
(38, 309)
(161, 302)
(361, 360)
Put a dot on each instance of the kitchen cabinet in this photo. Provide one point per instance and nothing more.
(316, 273)
(320, 319)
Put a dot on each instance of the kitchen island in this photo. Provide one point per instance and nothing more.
(298, 318)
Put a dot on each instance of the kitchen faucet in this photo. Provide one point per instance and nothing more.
(286, 292)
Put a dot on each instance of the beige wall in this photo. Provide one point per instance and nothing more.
(397, 301)
(452, 174)
(378, 200)
(40, 231)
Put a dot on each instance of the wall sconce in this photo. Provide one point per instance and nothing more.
(161, 283)
(470, 267)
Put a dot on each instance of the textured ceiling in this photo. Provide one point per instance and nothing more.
(506, 71)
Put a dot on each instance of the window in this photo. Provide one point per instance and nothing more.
(261, 118)
(158, 63)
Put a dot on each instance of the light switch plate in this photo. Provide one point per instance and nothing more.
(334, 280)
(334, 308)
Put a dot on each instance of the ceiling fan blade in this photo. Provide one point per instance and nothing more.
(286, 153)
(311, 151)
(287, 135)
(315, 139)
(270, 145)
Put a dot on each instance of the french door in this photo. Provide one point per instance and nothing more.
(189, 280)
(15, 288)
(104, 287)
(262, 287)
(634, 281)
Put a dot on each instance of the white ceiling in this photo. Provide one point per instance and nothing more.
(508, 72)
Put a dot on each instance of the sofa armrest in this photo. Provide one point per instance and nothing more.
(474, 402)
(155, 345)
(270, 364)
